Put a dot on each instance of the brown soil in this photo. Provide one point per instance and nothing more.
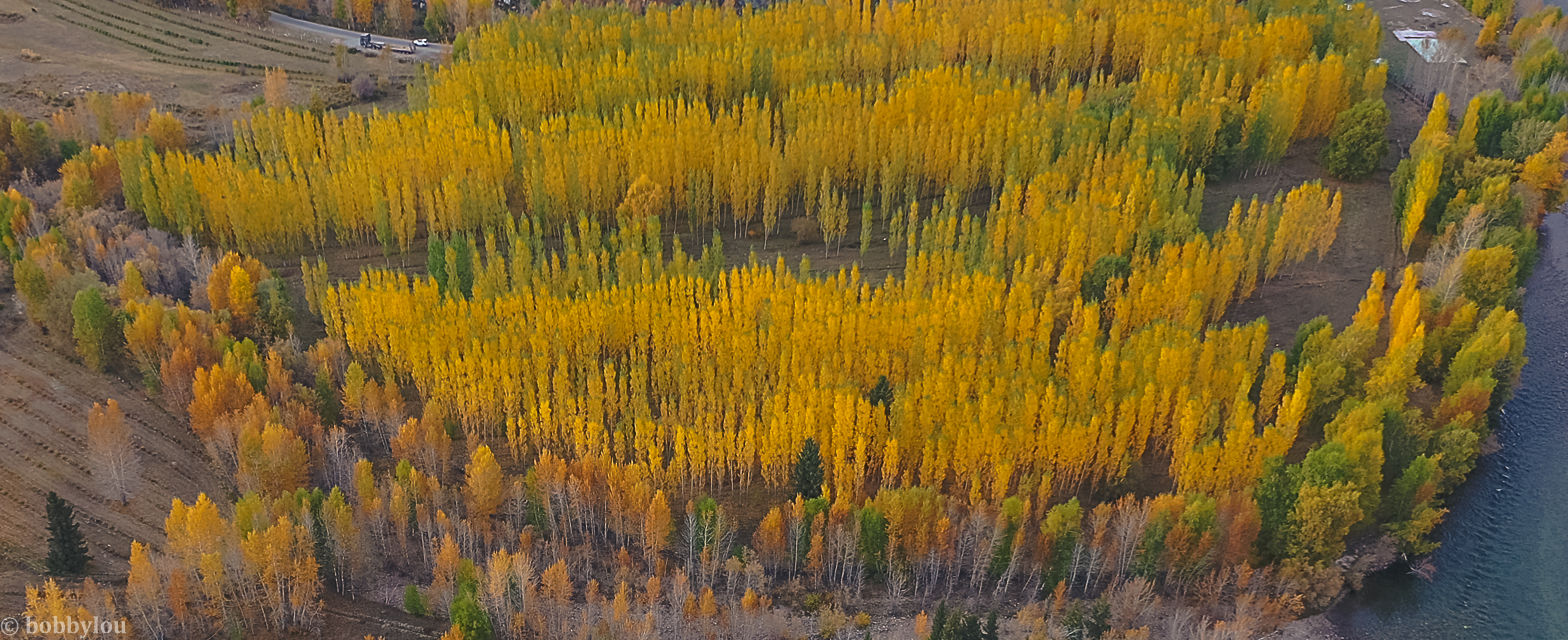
(1367, 239)
(1334, 285)
(44, 401)
(745, 506)
(346, 618)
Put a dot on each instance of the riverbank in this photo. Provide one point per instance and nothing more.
(1498, 571)
(1371, 558)
(1316, 627)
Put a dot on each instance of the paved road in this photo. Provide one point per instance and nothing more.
(351, 38)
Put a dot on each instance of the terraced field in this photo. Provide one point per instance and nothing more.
(44, 401)
(192, 40)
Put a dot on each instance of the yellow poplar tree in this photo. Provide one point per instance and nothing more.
(483, 486)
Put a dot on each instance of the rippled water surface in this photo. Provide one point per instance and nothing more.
(1503, 567)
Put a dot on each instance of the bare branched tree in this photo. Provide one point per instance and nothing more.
(1445, 260)
(1130, 603)
(341, 454)
(116, 465)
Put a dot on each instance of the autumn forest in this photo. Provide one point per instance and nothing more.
(1039, 415)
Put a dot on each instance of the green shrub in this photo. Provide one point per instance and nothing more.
(414, 602)
(96, 329)
(1358, 140)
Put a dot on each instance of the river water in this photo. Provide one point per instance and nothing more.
(1502, 570)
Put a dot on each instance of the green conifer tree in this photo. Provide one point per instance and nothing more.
(808, 470)
(67, 548)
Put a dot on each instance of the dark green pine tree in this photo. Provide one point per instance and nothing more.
(67, 547)
(881, 394)
(956, 625)
(808, 470)
(970, 628)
